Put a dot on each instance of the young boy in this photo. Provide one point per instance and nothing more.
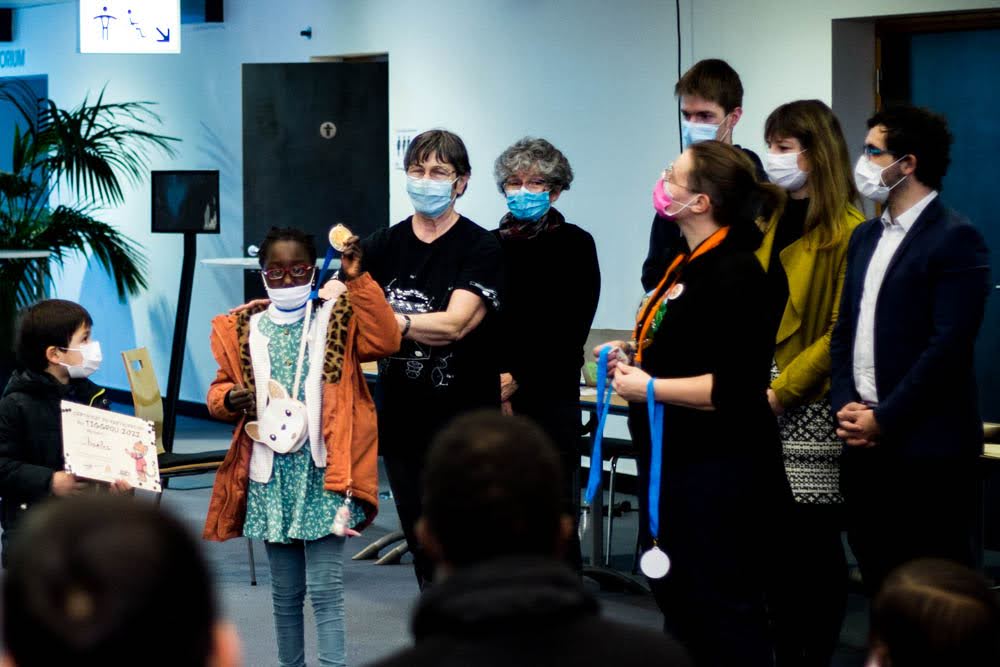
(55, 356)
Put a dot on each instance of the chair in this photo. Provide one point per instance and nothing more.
(148, 404)
(612, 450)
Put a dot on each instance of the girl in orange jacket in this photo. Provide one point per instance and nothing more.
(302, 467)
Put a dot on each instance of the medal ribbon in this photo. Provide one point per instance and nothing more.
(644, 322)
(322, 272)
(656, 459)
(603, 406)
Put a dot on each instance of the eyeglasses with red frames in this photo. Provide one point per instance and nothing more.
(297, 272)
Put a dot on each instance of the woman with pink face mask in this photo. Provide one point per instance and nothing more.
(697, 368)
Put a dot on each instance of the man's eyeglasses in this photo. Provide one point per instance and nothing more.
(297, 272)
(874, 151)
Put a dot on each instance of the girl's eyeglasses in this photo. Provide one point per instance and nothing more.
(297, 272)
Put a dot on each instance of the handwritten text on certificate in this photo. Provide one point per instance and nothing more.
(107, 446)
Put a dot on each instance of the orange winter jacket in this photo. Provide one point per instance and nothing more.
(362, 328)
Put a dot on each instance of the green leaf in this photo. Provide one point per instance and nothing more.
(89, 151)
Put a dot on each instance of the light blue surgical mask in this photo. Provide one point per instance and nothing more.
(526, 205)
(694, 133)
(430, 198)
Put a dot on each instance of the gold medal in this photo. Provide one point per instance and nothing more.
(339, 234)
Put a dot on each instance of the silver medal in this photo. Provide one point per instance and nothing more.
(654, 563)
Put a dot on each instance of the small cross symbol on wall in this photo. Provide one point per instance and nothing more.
(327, 130)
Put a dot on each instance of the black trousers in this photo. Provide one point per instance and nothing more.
(808, 594)
(561, 421)
(405, 469)
(899, 509)
(715, 523)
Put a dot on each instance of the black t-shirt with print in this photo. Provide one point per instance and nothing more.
(423, 386)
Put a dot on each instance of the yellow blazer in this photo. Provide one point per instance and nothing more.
(815, 280)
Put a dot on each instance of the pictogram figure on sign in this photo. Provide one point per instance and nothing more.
(137, 28)
(105, 20)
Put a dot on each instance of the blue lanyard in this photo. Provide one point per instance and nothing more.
(603, 406)
(656, 459)
(322, 273)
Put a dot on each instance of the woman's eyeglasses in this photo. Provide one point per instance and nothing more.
(534, 185)
(434, 173)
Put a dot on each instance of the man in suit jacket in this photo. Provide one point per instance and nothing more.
(903, 383)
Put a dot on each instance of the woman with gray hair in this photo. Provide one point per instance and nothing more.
(552, 285)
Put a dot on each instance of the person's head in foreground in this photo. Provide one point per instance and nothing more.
(491, 489)
(933, 613)
(109, 581)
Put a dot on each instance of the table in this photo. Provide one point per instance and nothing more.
(588, 402)
(24, 254)
(247, 263)
(28, 254)
(252, 263)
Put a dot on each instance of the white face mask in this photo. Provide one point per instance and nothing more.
(289, 299)
(92, 357)
(868, 178)
(783, 170)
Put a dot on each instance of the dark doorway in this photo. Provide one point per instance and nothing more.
(949, 63)
(314, 150)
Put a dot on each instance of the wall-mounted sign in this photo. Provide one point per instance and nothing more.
(130, 26)
(398, 144)
(11, 58)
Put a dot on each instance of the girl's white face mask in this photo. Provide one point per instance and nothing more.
(290, 299)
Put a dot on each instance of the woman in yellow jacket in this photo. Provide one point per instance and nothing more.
(804, 253)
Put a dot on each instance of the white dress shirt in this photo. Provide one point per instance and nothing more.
(893, 233)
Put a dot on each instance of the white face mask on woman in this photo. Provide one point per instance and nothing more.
(783, 170)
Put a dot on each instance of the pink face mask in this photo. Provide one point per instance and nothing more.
(663, 201)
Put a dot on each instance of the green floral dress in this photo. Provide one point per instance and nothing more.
(293, 505)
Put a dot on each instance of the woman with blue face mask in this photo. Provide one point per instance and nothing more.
(553, 283)
(442, 275)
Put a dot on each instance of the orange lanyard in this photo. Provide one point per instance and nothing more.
(670, 278)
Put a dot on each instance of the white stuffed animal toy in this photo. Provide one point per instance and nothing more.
(282, 425)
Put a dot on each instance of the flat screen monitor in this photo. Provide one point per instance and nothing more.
(185, 201)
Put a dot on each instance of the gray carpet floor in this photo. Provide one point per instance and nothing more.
(379, 598)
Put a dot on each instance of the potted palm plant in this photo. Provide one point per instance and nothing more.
(82, 156)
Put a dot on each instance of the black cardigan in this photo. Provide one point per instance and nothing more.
(720, 325)
(553, 283)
